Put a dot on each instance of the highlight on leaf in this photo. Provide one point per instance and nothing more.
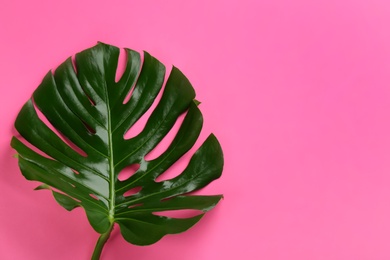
(73, 142)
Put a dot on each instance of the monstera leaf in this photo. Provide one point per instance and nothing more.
(80, 160)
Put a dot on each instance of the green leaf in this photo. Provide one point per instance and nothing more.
(81, 160)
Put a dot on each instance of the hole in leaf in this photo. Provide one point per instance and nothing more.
(32, 147)
(122, 61)
(140, 124)
(94, 196)
(166, 141)
(165, 199)
(135, 205)
(181, 213)
(132, 191)
(45, 120)
(89, 128)
(73, 59)
(75, 172)
(58, 191)
(128, 96)
(93, 103)
(176, 169)
(179, 166)
(128, 171)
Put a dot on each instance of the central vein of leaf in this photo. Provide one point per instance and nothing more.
(111, 209)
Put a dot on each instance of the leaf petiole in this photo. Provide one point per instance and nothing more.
(100, 243)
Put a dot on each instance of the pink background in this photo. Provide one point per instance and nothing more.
(297, 91)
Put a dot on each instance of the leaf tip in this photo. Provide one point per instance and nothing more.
(101, 43)
(43, 187)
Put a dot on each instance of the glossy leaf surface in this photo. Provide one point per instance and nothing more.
(81, 159)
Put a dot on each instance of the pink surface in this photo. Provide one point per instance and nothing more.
(296, 91)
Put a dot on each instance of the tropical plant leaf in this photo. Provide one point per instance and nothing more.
(85, 104)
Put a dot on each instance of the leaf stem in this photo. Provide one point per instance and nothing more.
(100, 243)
